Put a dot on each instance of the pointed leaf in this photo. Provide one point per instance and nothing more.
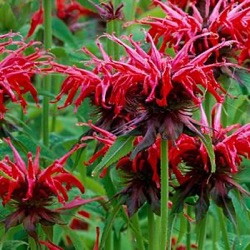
(61, 31)
(122, 146)
(108, 224)
(207, 141)
(77, 202)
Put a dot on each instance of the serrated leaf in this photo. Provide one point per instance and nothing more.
(122, 146)
(207, 141)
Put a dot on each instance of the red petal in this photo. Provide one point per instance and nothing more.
(37, 18)
(77, 202)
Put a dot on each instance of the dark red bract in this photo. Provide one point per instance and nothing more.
(141, 179)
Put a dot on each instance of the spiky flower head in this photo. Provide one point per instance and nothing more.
(191, 165)
(30, 190)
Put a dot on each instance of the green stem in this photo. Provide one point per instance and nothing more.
(137, 231)
(151, 229)
(208, 106)
(108, 243)
(223, 228)
(110, 44)
(201, 234)
(47, 79)
(188, 235)
(32, 244)
(224, 113)
(56, 87)
(215, 233)
(117, 241)
(164, 194)
(157, 234)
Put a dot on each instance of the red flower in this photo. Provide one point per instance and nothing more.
(71, 12)
(190, 163)
(225, 21)
(68, 12)
(31, 190)
(17, 69)
(107, 12)
(36, 19)
(155, 92)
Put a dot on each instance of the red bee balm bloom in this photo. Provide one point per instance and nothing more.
(225, 21)
(157, 91)
(31, 190)
(17, 69)
(190, 163)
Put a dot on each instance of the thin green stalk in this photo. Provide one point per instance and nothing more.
(131, 14)
(208, 106)
(56, 87)
(224, 114)
(110, 44)
(157, 232)
(109, 241)
(151, 229)
(223, 228)
(164, 194)
(188, 237)
(117, 241)
(47, 79)
(137, 231)
(201, 232)
(215, 233)
(32, 244)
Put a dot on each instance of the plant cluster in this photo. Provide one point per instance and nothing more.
(158, 137)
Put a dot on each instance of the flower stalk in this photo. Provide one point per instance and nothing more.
(137, 231)
(47, 5)
(201, 232)
(151, 229)
(164, 194)
(223, 228)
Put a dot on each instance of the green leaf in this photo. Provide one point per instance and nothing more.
(61, 31)
(207, 141)
(13, 244)
(77, 241)
(108, 224)
(7, 18)
(122, 146)
(59, 52)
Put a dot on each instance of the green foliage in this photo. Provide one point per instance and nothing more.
(122, 146)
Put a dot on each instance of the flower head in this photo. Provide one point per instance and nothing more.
(72, 11)
(141, 180)
(152, 92)
(68, 11)
(224, 20)
(190, 163)
(108, 12)
(17, 70)
(31, 190)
